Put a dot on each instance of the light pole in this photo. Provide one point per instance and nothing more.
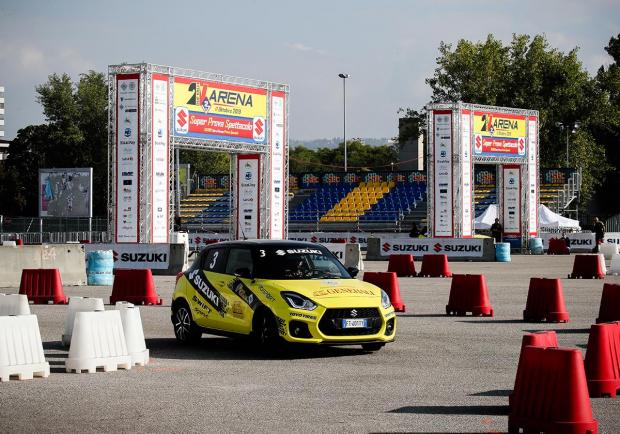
(567, 127)
(344, 115)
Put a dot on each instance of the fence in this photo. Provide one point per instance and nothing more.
(612, 224)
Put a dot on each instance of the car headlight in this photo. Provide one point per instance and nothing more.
(298, 301)
(385, 300)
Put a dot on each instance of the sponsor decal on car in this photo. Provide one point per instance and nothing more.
(302, 315)
(281, 326)
(238, 287)
(201, 284)
(266, 293)
(336, 291)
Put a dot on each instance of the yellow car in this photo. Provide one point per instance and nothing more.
(279, 291)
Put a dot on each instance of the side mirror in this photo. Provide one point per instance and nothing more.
(353, 271)
(243, 272)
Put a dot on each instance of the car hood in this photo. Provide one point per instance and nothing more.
(330, 292)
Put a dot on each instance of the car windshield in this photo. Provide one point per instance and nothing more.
(294, 263)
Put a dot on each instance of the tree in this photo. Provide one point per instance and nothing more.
(529, 74)
(206, 163)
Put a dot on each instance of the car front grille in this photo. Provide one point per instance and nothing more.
(331, 321)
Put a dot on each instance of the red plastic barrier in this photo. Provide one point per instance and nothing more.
(545, 301)
(435, 266)
(469, 293)
(19, 242)
(544, 339)
(389, 283)
(603, 360)
(557, 247)
(402, 265)
(551, 393)
(42, 286)
(609, 309)
(587, 267)
(134, 286)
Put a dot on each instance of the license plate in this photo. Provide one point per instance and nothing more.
(354, 323)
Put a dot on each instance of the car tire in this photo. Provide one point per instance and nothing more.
(185, 329)
(372, 347)
(265, 331)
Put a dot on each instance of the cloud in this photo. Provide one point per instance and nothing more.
(298, 46)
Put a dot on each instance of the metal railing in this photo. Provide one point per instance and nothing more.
(55, 237)
(568, 193)
(612, 224)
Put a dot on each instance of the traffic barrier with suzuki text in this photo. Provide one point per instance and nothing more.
(389, 283)
(134, 286)
(402, 265)
(545, 301)
(21, 348)
(469, 293)
(42, 285)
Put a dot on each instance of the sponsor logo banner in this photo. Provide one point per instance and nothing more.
(161, 160)
(338, 249)
(532, 163)
(277, 159)
(466, 179)
(579, 241)
(512, 199)
(248, 189)
(499, 134)
(127, 158)
(454, 247)
(442, 169)
(136, 256)
(612, 237)
(199, 281)
(218, 111)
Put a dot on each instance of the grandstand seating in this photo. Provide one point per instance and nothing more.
(397, 203)
(359, 200)
(319, 202)
(484, 195)
(206, 206)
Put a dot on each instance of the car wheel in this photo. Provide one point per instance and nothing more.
(266, 331)
(372, 347)
(185, 329)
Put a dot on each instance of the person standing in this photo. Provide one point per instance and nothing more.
(599, 233)
(496, 231)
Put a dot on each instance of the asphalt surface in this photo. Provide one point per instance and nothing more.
(442, 375)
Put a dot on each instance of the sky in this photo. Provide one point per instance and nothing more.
(388, 47)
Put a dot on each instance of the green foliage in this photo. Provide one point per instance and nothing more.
(206, 163)
(360, 156)
(75, 135)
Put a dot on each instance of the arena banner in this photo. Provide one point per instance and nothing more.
(248, 196)
(532, 162)
(452, 247)
(512, 199)
(66, 192)
(160, 177)
(136, 256)
(127, 158)
(499, 134)
(219, 111)
(466, 175)
(580, 242)
(277, 161)
(442, 170)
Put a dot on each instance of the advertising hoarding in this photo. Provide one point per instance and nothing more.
(127, 158)
(277, 161)
(512, 199)
(218, 111)
(499, 134)
(454, 247)
(160, 177)
(248, 196)
(532, 161)
(66, 192)
(466, 174)
(136, 256)
(442, 170)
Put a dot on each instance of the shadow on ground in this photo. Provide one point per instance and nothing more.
(475, 410)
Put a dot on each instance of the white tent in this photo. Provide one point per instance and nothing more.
(546, 219)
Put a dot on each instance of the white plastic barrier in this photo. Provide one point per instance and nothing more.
(14, 304)
(9, 244)
(608, 250)
(79, 304)
(98, 341)
(21, 349)
(353, 256)
(601, 259)
(615, 265)
(134, 334)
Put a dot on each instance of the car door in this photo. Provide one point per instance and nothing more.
(243, 301)
(207, 278)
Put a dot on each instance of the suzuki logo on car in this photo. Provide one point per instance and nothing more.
(354, 313)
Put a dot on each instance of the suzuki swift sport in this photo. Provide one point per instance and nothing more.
(279, 291)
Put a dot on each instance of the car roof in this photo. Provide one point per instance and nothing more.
(266, 243)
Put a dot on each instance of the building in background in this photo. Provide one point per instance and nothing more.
(411, 153)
